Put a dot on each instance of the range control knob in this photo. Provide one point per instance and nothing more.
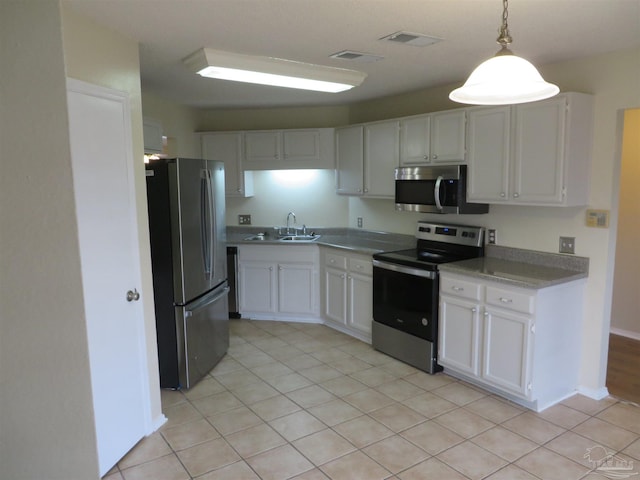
(425, 322)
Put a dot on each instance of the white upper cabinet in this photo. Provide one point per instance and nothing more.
(366, 157)
(415, 140)
(289, 149)
(434, 138)
(152, 133)
(489, 143)
(448, 136)
(227, 147)
(350, 160)
(381, 154)
(532, 154)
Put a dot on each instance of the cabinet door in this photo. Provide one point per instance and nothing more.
(415, 140)
(262, 147)
(335, 301)
(296, 288)
(349, 159)
(458, 335)
(507, 348)
(227, 147)
(381, 155)
(360, 296)
(301, 145)
(489, 152)
(539, 150)
(257, 287)
(152, 134)
(448, 137)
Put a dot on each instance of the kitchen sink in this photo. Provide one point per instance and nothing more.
(258, 237)
(299, 238)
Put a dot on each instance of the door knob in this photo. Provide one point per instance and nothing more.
(133, 295)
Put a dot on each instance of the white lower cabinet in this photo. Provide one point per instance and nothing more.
(347, 292)
(278, 282)
(521, 343)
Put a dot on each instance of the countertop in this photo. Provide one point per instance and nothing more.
(510, 266)
(522, 268)
(358, 241)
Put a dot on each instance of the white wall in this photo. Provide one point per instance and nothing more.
(46, 414)
(310, 194)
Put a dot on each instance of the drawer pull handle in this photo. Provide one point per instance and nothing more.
(457, 289)
(506, 300)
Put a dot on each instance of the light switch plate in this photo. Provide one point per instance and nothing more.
(244, 219)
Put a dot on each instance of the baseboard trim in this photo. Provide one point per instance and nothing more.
(625, 333)
(594, 393)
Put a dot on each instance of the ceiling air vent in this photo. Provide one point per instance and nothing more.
(414, 39)
(356, 56)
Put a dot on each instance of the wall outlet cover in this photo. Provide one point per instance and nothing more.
(359, 222)
(492, 236)
(567, 245)
(244, 219)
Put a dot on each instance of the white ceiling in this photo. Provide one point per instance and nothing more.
(543, 31)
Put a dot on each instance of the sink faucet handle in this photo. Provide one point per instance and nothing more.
(304, 229)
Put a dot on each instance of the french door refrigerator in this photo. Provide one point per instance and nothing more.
(185, 200)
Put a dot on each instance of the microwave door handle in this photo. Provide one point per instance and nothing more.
(436, 192)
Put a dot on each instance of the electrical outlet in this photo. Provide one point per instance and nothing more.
(492, 236)
(567, 244)
(244, 219)
(359, 222)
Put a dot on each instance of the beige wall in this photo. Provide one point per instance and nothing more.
(625, 318)
(46, 415)
(100, 56)
(178, 124)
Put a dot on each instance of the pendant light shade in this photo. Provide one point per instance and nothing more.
(504, 79)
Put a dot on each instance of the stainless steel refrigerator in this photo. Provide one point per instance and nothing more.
(185, 200)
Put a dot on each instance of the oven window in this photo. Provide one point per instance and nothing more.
(403, 301)
(422, 192)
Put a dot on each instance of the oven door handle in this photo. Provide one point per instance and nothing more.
(404, 269)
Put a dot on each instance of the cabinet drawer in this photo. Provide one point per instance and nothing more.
(361, 265)
(460, 288)
(511, 299)
(335, 261)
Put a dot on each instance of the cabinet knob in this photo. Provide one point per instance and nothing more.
(435, 157)
(270, 269)
(426, 157)
(342, 276)
(366, 190)
(502, 194)
(516, 195)
(486, 314)
(474, 310)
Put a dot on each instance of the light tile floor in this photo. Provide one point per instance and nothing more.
(304, 401)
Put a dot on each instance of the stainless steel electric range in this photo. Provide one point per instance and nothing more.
(405, 291)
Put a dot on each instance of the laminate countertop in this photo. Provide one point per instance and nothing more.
(522, 268)
(357, 241)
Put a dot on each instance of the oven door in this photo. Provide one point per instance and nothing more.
(406, 298)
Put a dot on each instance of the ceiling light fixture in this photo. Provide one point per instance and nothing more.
(504, 79)
(272, 71)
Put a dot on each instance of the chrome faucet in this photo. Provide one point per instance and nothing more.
(289, 215)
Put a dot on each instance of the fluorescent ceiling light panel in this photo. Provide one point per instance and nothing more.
(272, 71)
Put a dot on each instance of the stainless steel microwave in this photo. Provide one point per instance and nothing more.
(435, 189)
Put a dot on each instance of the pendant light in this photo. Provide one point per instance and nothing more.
(504, 79)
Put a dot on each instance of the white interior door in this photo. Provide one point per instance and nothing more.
(102, 161)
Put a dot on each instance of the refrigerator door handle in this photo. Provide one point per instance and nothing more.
(204, 227)
(188, 312)
(212, 245)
